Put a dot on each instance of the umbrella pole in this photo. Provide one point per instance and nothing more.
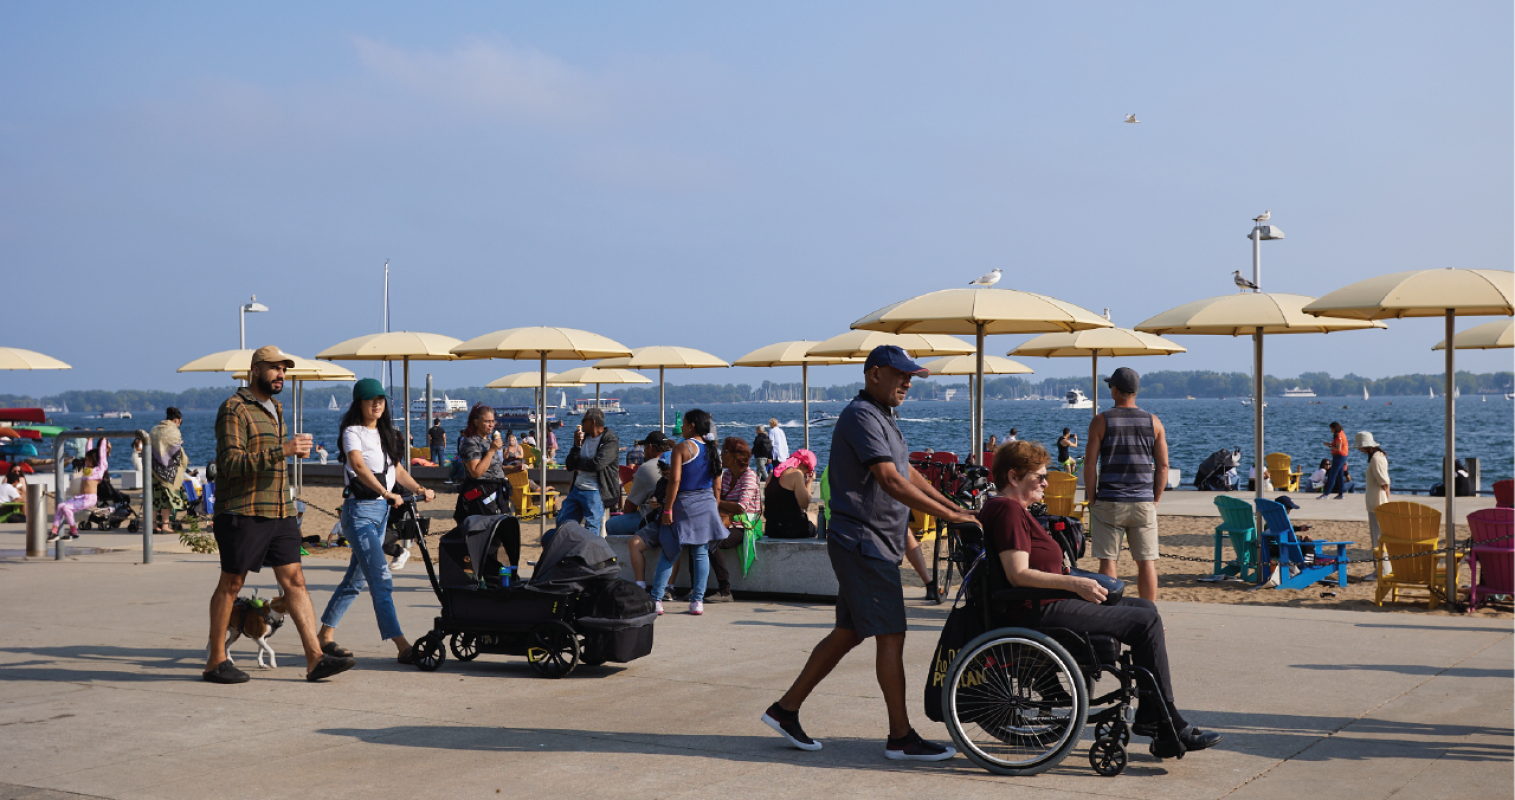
(406, 403)
(805, 404)
(542, 445)
(596, 395)
(1449, 469)
(662, 403)
(1257, 443)
(1094, 389)
(970, 413)
(978, 398)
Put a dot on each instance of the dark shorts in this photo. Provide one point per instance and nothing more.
(248, 544)
(870, 599)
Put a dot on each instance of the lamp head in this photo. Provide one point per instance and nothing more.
(254, 305)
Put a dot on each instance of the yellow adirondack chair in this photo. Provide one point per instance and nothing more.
(1278, 472)
(526, 500)
(1406, 528)
(1062, 494)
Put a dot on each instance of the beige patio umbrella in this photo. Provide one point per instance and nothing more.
(1488, 336)
(795, 354)
(968, 365)
(541, 344)
(1253, 313)
(597, 376)
(981, 312)
(1096, 342)
(664, 358)
(1446, 293)
(403, 346)
(16, 358)
(530, 380)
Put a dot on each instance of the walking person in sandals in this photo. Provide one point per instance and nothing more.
(873, 489)
(255, 523)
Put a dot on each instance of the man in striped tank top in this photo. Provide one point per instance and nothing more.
(1128, 479)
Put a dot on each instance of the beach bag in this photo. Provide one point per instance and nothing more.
(754, 525)
(964, 624)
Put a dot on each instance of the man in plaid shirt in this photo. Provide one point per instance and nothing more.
(255, 523)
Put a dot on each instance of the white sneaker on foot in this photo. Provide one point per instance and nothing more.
(696, 608)
(658, 604)
(401, 560)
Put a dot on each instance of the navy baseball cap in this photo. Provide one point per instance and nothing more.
(1125, 379)
(888, 355)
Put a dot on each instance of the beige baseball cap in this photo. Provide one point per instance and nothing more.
(273, 355)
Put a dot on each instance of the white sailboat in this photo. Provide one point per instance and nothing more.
(332, 404)
(1432, 392)
(1365, 391)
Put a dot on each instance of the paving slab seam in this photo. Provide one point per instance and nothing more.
(1362, 716)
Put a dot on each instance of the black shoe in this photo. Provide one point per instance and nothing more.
(1191, 739)
(719, 597)
(911, 747)
(334, 649)
(225, 672)
(933, 593)
(787, 723)
(329, 666)
(410, 656)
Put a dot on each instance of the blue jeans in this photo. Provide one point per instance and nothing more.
(623, 525)
(583, 506)
(363, 522)
(1333, 476)
(664, 572)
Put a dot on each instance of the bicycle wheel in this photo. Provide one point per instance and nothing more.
(1015, 702)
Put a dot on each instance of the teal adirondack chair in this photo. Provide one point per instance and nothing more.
(1239, 525)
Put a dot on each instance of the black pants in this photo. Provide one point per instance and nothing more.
(718, 562)
(1134, 622)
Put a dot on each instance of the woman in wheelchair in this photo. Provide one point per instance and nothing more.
(1032, 559)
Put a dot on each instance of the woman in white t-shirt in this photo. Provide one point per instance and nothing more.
(373, 453)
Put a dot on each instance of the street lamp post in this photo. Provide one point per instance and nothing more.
(1260, 233)
(242, 311)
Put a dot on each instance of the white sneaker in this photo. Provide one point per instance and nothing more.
(696, 608)
(658, 604)
(401, 560)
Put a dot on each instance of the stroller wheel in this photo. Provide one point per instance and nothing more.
(465, 646)
(131, 527)
(554, 649)
(429, 652)
(85, 525)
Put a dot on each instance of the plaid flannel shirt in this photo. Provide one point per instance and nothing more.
(252, 480)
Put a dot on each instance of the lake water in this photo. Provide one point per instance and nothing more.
(1409, 428)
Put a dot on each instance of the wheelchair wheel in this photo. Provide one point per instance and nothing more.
(465, 646)
(554, 649)
(1107, 757)
(1113, 729)
(1015, 702)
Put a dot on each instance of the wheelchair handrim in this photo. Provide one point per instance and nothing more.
(1014, 706)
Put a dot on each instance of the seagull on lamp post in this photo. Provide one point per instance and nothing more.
(987, 279)
(1131, 118)
(1263, 217)
(1242, 282)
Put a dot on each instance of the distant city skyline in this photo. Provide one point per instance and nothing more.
(726, 177)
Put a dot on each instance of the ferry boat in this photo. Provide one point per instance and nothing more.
(521, 417)
(1076, 399)
(443, 407)
(1298, 391)
(609, 405)
(63, 409)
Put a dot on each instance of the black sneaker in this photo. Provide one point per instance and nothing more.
(933, 594)
(911, 747)
(225, 672)
(1189, 740)
(787, 723)
(719, 597)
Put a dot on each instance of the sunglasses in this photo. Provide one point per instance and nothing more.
(1041, 477)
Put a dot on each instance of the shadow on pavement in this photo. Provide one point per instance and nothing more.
(1291, 737)
(1413, 669)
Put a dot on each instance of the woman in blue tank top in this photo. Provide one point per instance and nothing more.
(691, 517)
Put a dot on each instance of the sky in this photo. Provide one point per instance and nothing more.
(724, 176)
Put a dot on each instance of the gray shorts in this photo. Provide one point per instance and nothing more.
(870, 600)
(1110, 521)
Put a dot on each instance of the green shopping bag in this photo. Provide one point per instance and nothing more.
(754, 525)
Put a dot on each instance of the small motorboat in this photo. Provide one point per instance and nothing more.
(1077, 399)
(819, 418)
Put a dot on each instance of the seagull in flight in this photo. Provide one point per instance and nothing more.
(1242, 282)
(1131, 118)
(986, 279)
(1263, 217)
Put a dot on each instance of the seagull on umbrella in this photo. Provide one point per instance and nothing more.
(1242, 282)
(986, 279)
(1132, 119)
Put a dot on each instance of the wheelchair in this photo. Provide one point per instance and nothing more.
(1016, 700)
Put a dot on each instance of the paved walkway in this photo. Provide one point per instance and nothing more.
(100, 696)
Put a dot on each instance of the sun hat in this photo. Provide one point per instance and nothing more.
(1363, 439)
(799, 457)
(367, 389)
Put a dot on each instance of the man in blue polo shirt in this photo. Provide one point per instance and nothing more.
(873, 489)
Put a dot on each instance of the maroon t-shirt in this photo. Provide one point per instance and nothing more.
(1009, 526)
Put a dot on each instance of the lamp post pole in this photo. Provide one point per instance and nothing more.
(254, 306)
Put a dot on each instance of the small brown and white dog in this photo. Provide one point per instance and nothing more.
(257, 620)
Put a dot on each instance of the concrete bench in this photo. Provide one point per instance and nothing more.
(797, 567)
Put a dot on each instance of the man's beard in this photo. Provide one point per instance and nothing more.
(266, 386)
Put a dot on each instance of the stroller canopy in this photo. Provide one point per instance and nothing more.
(467, 552)
(1211, 475)
(573, 558)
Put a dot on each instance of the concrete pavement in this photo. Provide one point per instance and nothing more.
(100, 696)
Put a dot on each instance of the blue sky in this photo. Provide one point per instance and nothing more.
(724, 176)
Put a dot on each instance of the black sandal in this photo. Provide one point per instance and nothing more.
(409, 656)
(329, 666)
(226, 673)
(333, 649)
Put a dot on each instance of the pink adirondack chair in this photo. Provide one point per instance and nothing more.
(1492, 563)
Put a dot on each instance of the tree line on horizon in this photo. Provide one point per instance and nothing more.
(1166, 384)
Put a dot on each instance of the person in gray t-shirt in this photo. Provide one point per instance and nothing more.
(873, 489)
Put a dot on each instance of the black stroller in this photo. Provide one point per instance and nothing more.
(1212, 473)
(574, 609)
(112, 509)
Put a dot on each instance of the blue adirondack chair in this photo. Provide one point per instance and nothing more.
(1291, 552)
(1239, 526)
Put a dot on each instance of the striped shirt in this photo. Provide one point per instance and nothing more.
(743, 491)
(250, 458)
(1127, 467)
